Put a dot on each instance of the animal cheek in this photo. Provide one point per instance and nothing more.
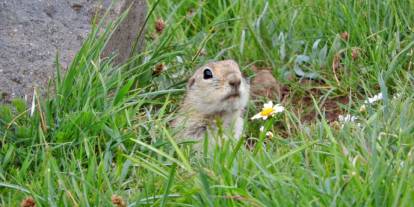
(190, 83)
(208, 98)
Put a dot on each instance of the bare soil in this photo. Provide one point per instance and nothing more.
(31, 34)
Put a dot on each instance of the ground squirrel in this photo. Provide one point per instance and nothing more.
(265, 85)
(216, 91)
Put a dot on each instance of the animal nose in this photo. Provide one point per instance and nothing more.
(235, 82)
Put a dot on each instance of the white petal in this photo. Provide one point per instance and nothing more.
(261, 128)
(347, 118)
(379, 96)
(278, 108)
(257, 116)
(375, 98)
(180, 59)
(268, 104)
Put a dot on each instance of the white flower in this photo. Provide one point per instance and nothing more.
(269, 110)
(374, 99)
(347, 118)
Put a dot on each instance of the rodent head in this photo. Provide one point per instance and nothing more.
(218, 87)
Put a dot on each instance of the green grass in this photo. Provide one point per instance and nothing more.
(104, 130)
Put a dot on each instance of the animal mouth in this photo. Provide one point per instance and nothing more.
(232, 95)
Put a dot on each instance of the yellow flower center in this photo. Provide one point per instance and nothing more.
(266, 111)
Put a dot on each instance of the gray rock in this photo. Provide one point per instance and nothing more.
(33, 31)
(125, 38)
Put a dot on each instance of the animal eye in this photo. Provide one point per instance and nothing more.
(207, 73)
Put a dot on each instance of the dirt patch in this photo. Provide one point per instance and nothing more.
(304, 102)
(32, 32)
(301, 100)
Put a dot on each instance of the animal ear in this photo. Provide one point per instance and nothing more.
(190, 82)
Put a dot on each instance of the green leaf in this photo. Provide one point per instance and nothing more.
(123, 92)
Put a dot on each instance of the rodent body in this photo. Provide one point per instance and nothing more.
(265, 85)
(216, 92)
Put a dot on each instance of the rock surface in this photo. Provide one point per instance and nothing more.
(128, 35)
(33, 31)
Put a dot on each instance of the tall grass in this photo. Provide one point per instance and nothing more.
(105, 129)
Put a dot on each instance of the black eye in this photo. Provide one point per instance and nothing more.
(207, 74)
